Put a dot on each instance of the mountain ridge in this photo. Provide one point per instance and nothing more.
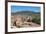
(25, 12)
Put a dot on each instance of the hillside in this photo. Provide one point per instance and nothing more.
(25, 13)
(35, 15)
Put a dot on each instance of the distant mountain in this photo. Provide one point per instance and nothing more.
(25, 13)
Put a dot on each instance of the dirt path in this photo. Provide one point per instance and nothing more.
(34, 25)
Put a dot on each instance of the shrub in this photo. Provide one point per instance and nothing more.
(36, 20)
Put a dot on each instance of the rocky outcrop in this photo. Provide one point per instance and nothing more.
(20, 21)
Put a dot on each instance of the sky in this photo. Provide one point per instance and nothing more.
(25, 8)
